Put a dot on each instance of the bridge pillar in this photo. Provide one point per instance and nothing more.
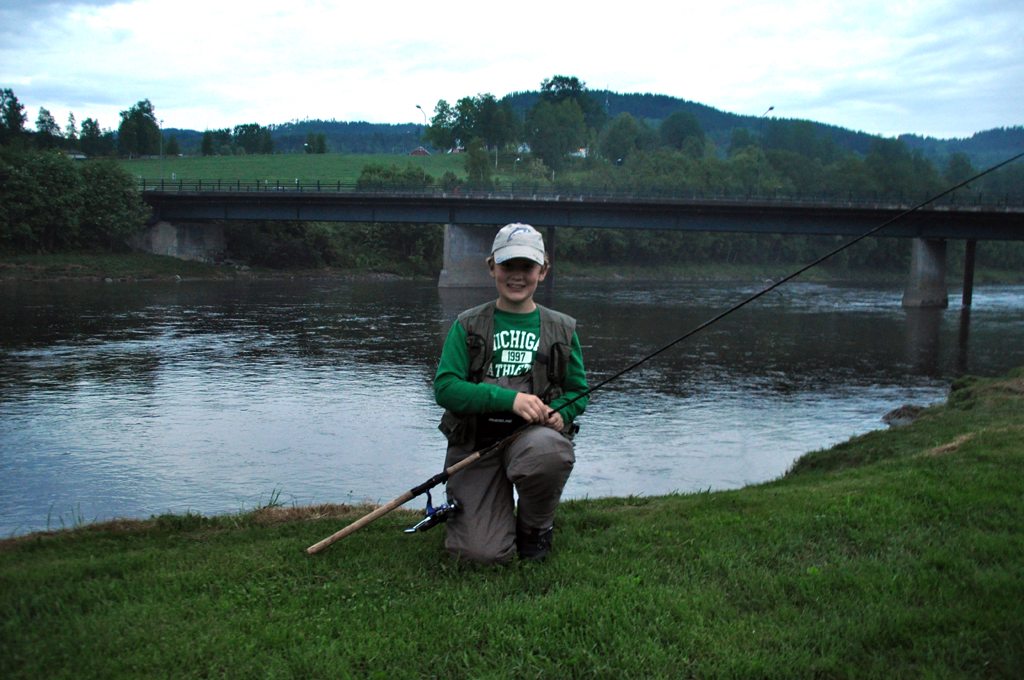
(465, 250)
(927, 285)
(185, 241)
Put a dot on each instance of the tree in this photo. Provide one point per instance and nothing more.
(441, 131)
(558, 89)
(741, 139)
(71, 131)
(478, 164)
(206, 145)
(172, 148)
(623, 136)
(556, 130)
(958, 168)
(96, 142)
(679, 127)
(253, 138)
(112, 209)
(139, 132)
(12, 116)
(40, 202)
(47, 129)
(320, 143)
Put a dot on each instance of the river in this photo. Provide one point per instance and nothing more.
(138, 398)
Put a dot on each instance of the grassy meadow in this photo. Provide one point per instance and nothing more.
(898, 554)
(331, 167)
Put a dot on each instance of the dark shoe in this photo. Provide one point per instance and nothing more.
(534, 544)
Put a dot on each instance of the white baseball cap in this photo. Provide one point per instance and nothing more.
(518, 240)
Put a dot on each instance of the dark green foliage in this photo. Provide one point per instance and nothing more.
(402, 249)
(316, 142)
(112, 209)
(47, 130)
(559, 89)
(253, 138)
(49, 203)
(206, 146)
(12, 117)
(95, 142)
(958, 168)
(171, 146)
(624, 136)
(40, 202)
(376, 176)
(480, 117)
(479, 167)
(556, 130)
(679, 127)
(139, 132)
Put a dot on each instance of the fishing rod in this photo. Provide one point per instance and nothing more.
(443, 476)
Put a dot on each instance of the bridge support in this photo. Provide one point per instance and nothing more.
(465, 250)
(927, 285)
(185, 241)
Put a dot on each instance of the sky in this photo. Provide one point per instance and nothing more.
(943, 68)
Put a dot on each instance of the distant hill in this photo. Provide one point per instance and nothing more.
(984, 148)
(342, 137)
(717, 124)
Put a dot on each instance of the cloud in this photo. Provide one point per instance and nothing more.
(934, 66)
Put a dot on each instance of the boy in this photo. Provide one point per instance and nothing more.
(504, 364)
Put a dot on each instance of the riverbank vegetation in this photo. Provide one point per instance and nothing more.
(567, 143)
(896, 554)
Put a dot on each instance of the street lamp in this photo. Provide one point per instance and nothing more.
(421, 142)
(161, 149)
(760, 145)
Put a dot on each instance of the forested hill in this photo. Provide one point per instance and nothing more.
(342, 137)
(984, 148)
(717, 124)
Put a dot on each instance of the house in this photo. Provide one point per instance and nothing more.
(419, 151)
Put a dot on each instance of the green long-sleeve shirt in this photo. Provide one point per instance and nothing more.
(515, 338)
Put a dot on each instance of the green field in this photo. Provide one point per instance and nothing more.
(330, 167)
(898, 554)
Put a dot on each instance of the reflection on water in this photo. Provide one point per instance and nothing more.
(135, 399)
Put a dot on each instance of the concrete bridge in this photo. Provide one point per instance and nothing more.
(185, 218)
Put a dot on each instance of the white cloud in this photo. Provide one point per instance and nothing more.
(942, 67)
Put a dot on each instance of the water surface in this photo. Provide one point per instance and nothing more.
(132, 399)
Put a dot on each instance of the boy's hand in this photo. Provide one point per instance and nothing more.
(530, 408)
(555, 422)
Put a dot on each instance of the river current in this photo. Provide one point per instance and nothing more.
(134, 399)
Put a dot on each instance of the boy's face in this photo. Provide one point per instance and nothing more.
(517, 281)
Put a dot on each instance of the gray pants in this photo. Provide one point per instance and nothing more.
(537, 464)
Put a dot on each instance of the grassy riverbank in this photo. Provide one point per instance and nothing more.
(897, 554)
(142, 266)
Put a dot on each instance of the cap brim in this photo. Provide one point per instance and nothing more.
(512, 252)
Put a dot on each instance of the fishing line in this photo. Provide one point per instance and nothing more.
(443, 476)
(778, 283)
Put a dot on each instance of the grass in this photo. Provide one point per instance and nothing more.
(896, 554)
(330, 167)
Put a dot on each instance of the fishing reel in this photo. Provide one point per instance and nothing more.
(435, 516)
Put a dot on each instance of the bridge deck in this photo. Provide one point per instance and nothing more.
(832, 217)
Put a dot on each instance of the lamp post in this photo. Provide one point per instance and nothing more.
(760, 146)
(161, 149)
(421, 142)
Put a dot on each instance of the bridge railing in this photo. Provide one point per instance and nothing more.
(964, 198)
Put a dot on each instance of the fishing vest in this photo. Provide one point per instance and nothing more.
(548, 371)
